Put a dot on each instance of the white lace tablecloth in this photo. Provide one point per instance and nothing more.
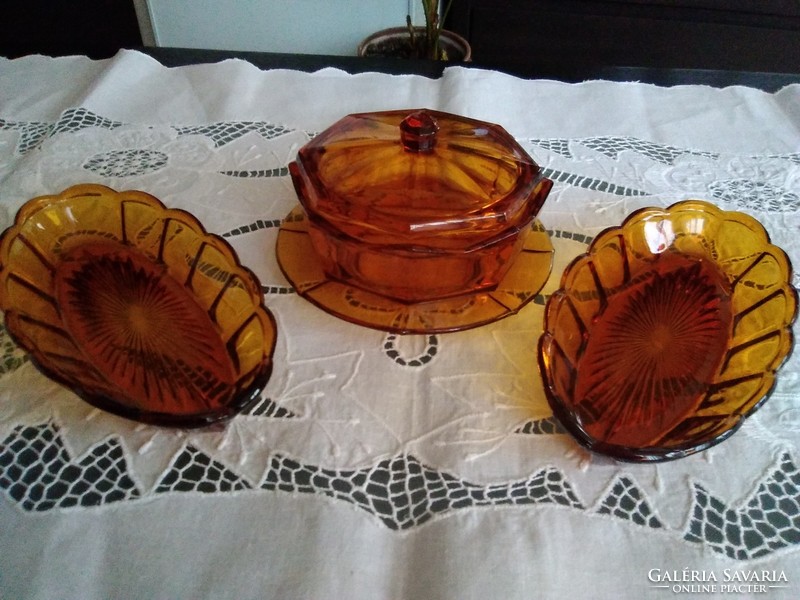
(383, 466)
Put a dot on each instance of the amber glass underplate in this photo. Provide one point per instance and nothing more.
(302, 267)
(667, 333)
(135, 306)
(417, 206)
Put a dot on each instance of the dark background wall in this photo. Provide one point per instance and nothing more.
(528, 37)
(525, 35)
(97, 28)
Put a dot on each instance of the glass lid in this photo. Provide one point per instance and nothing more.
(413, 173)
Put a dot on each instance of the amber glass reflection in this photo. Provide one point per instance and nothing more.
(302, 267)
(135, 306)
(417, 205)
(662, 338)
(668, 332)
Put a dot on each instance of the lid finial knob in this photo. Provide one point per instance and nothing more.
(418, 132)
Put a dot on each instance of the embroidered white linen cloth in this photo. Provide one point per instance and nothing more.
(376, 465)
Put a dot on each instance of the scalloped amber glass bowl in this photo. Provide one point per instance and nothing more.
(135, 307)
(667, 333)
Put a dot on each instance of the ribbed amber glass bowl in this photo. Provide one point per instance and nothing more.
(135, 306)
(667, 333)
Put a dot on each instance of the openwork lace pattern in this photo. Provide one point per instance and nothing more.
(747, 193)
(12, 356)
(32, 134)
(404, 493)
(227, 131)
(626, 501)
(762, 189)
(125, 163)
(755, 195)
(38, 473)
(590, 183)
(769, 521)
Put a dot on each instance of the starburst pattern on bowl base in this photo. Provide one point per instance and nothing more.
(135, 307)
(668, 332)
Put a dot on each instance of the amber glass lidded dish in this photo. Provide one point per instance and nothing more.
(135, 307)
(668, 332)
(417, 205)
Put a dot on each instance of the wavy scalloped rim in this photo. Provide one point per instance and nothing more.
(662, 453)
(246, 276)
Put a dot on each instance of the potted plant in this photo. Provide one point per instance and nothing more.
(430, 41)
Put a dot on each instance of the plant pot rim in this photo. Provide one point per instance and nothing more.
(446, 35)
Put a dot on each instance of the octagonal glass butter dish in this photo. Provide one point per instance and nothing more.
(420, 214)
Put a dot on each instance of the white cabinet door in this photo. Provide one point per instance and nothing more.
(292, 26)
